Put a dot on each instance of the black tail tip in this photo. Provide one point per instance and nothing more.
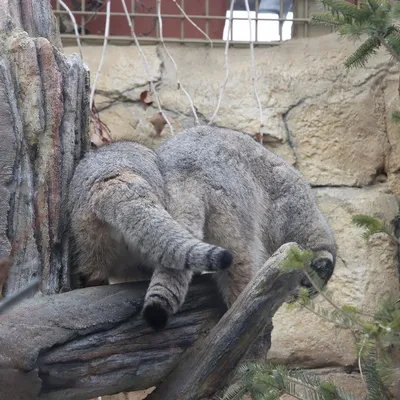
(156, 316)
(225, 259)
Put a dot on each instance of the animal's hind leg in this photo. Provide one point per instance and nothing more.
(233, 280)
(97, 253)
(168, 288)
(165, 295)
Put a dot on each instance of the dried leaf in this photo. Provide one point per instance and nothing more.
(146, 98)
(258, 137)
(158, 121)
(99, 132)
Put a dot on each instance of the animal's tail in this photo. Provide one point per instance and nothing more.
(165, 295)
(148, 228)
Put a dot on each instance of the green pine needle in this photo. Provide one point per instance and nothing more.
(396, 117)
(297, 259)
(370, 224)
(360, 57)
(376, 20)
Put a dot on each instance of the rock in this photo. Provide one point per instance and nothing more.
(366, 272)
(330, 122)
(122, 76)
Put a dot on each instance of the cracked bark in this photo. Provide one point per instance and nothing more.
(44, 124)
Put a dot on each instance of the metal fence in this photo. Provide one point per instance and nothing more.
(272, 21)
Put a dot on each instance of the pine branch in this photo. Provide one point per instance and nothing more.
(370, 224)
(396, 117)
(348, 10)
(328, 19)
(360, 57)
(386, 45)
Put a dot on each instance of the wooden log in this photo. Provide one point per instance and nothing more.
(91, 342)
(208, 364)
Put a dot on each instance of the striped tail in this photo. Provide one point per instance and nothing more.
(165, 295)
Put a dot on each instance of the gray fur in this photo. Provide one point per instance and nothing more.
(177, 210)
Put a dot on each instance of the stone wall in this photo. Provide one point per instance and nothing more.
(332, 124)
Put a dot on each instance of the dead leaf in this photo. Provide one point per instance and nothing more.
(146, 98)
(158, 121)
(99, 131)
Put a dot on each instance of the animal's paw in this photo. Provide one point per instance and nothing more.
(155, 315)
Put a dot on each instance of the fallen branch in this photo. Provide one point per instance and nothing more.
(92, 342)
(206, 366)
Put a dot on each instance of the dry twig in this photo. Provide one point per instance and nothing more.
(223, 86)
(253, 69)
(78, 39)
(180, 86)
(146, 66)
(106, 36)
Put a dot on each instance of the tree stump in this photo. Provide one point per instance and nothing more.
(44, 130)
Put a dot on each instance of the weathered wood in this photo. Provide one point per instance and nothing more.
(205, 368)
(43, 130)
(93, 341)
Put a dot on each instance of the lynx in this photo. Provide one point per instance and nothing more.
(208, 199)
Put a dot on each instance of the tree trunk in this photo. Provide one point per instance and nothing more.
(93, 341)
(44, 130)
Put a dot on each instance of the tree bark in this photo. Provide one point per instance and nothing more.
(44, 130)
(91, 342)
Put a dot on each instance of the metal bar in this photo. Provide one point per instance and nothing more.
(153, 40)
(182, 21)
(83, 8)
(133, 10)
(256, 10)
(280, 22)
(57, 14)
(179, 16)
(207, 15)
(307, 16)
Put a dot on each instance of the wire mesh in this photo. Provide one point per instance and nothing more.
(270, 28)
